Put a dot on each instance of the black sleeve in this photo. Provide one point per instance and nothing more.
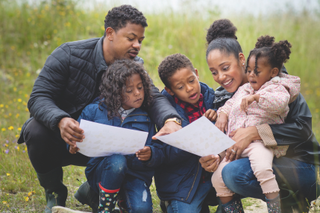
(298, 124)
(48, 89)
(160, 109)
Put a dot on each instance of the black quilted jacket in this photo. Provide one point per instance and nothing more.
(69, 81)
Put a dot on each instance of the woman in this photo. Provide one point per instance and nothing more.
(295, 172)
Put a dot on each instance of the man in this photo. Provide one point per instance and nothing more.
(67, 83)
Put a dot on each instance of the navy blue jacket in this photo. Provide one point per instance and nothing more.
(137, 120)
(180, 174)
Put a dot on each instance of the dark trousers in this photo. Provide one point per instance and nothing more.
(47, 150)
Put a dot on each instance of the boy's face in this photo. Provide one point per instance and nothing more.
(134, 93)
(185, 85)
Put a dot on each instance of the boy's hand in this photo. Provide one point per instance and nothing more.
(210, 163)
(73, 149)
(222, 122)
(211, 114)
(246, 101)
(144, 154)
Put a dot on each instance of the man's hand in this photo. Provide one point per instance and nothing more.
(211, 114)
(70, 131)
(168, 128)
(144, 154)
(222, 122)
(210, 163)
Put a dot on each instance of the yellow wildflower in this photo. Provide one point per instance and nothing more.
(17, 115)
(17, 136)
(8, 174)
(4, 202)
(15, 89)
(19, 129)
(19, 100)
(6, 145)
(10, 128)
(1, 105)
(3, 129)
(26, 198)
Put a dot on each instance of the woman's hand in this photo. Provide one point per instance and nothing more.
(210, 114)
(210, 163)
(222, 122)
(243, 137)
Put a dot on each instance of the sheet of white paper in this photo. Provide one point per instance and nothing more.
(201, 137)
(104, 140)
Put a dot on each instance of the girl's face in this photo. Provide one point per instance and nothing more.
(134, 93)
(265, 72)
(227, 70)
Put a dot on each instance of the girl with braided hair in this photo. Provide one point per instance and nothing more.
(264, 99)
(295, 171)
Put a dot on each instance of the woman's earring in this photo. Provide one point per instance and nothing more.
(243, 64)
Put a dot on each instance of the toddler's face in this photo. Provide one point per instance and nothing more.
(185, 85)
(264, 72)
(134, 93)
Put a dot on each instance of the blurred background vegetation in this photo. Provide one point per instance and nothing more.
(30, 31)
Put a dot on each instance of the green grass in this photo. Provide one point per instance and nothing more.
(29, 33)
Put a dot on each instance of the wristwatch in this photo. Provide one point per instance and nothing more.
(176, 120)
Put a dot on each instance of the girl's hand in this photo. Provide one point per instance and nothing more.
(210, 163)
(246, 101)
(144, 154)
(243, 137)
(73, 149)
(222, 122)
(211, 114)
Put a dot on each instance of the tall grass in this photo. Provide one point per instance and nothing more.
(30, 32)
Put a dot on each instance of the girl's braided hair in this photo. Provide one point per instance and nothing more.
(276, 53)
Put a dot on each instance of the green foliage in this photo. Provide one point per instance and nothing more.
(30, 32)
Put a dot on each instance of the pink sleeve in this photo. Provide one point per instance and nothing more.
(226, 108)
(274, 99)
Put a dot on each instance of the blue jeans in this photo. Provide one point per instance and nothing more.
(176, 206)
(111, 172)
(296, 179)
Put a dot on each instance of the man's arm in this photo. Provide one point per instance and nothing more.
(48, 89)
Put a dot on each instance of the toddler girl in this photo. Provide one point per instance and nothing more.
(125, 91)
(264, 99)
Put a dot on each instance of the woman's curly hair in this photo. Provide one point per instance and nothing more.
(113, 85)
(276, 53)
(222, 36)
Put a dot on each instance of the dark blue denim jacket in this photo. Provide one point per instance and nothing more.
(180, 174)
(137, 120)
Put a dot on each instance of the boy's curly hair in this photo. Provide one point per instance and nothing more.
(222, 36)
(171, 64)
(113, 85)
(118, 17)
(276, 53)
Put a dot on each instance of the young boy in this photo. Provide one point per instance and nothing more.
(181, 181)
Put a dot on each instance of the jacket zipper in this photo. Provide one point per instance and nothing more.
(194, 180)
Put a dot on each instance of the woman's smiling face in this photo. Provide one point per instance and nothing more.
(227, 70)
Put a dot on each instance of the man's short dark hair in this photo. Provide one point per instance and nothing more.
(171, 64)
(118, 17)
